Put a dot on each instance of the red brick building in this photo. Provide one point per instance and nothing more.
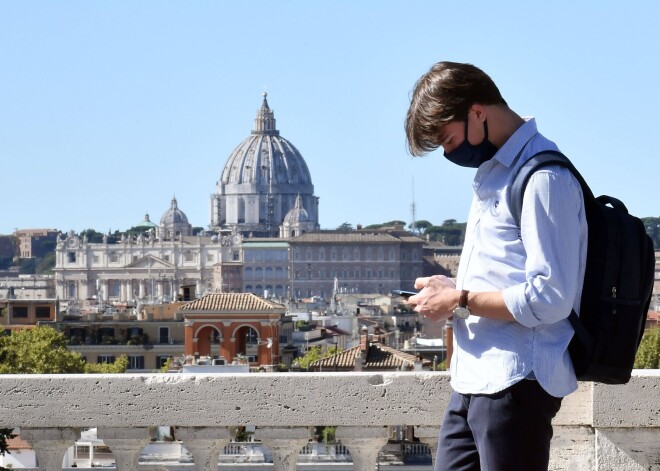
(227, 326)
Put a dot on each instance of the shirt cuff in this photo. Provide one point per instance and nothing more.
(516, 303)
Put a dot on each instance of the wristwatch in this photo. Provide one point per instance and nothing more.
(462, 311)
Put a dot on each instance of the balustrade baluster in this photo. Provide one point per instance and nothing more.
(126, 444)
(205, 444)
(284, 443)
(50, 444)
(364, 443)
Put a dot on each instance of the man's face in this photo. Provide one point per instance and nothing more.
(452, 134)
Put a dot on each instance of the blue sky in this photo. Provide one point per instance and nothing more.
(109, 108)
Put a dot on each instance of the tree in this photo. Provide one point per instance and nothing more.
(93, 236)
(316, 353)
(652, 226)
(42, 350)
(648, 354)
(421, 225)
(346, 226)
(37, 351)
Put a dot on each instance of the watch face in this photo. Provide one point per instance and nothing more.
(462, 312)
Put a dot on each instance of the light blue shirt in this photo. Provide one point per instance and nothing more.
(539, 268)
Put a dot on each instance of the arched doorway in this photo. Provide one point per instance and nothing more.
(208, 341)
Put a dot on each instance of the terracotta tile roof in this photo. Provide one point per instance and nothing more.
(18, 444)
(231, 302)
(379, 357)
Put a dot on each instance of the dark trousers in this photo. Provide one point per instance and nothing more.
(506, 431)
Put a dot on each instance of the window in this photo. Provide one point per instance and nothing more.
(113, 257)
(166, 258)
(95, 258)
(161, 360)
(105, 359)
(188, 256)
(42, 312)
(20, 312)
(235, 256)
(135, 362)
(209, 258)
(71, 257)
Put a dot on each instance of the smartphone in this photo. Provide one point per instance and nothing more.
(404, 293)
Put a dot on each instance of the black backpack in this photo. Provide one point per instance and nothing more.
(618, 280)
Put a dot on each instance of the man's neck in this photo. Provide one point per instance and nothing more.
(502, 123)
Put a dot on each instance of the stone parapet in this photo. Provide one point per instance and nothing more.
(598, 428)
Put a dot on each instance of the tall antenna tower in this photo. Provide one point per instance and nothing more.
(413, 225)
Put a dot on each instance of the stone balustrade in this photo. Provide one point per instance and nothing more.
(598, 428)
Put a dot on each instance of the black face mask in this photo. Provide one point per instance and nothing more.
(470, 155)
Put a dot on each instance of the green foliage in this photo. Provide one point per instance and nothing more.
(648, 354)
(166, 366)
(450, 233)
(119, 366)
(38, 350)
(652, 226)
(346, 226)
(421, 225)
(45, 264)
(325, 434)
(315, 353)
(93, 236)
(27, 266)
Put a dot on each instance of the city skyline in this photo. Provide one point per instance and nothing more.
(109, 109)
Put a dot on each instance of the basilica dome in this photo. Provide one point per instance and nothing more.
(265, 157)
(174, 222)
(261, 180)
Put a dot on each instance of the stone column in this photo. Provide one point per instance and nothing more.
(126, 444)
(205, 444)
(284, 443)
(429, 435)
(50, 444)
(364, 443)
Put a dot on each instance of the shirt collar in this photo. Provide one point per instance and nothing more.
(513, 147)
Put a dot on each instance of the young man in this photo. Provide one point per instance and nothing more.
(516, 285)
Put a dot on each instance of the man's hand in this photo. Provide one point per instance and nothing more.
(437, 298)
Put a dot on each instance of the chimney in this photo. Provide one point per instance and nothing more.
(364, 340)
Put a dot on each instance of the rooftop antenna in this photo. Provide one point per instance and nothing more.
(413, 225)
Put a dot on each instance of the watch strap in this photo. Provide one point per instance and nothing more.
(463, 300)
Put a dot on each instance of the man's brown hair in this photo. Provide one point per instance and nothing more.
(444, 94)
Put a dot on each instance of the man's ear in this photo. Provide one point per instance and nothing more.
(479, 111)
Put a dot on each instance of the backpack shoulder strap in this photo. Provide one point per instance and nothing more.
(520, 180)
(537, 161)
